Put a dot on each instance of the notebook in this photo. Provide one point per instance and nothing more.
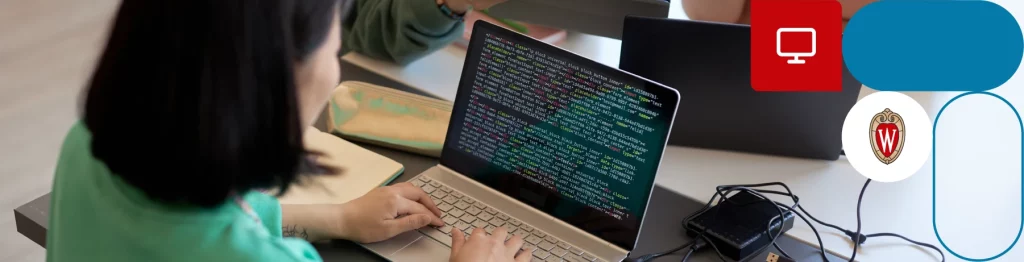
(359, 171)
(387, 117)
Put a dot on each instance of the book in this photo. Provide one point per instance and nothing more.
(359, 170)
(390, 118)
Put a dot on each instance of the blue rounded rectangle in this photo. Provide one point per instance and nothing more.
(935, 146)
(932, 45)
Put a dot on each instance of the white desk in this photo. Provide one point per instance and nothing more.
(990, 189)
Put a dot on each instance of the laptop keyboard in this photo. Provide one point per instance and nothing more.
(462, 212)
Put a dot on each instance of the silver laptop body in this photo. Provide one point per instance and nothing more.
(469, 203)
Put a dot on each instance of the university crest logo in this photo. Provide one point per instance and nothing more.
(887, 134)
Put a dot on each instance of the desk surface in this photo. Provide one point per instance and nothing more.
(981, 174)
(662, 228)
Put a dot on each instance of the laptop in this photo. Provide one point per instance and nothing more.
(557, 148)
(709, 64)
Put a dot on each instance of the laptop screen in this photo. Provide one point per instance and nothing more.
(569, 136)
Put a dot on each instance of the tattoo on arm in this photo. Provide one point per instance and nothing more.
(294, 231)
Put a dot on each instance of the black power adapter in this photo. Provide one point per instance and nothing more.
(738, 227)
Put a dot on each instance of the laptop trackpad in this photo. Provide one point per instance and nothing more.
(424, 249)
(391, 246)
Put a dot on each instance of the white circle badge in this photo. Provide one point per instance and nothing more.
(887, 136)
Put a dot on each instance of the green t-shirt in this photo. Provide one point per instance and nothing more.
(96, 216)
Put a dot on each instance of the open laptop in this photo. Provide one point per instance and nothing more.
(709, 64)
(557, 148)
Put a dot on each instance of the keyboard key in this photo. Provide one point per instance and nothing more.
(480, 224)
(469, 200)
(588, 257)
(439, 194)
(545, 245)
(539, 234)
(484, 216)
(490, 210)
(528, 245)
(439, 236)
(469, 218)
(490, 228)
(450, 220)
(553, 259)
(551, 239)
(435, 184)
(428, 188)
(424, 179)
(480, 205)
(535, 259)
(445, 189)
(563, 245)
(462, 205)
(573, 258)
(473, 210)
(450, 199)
(497, 222)
(560, 252)
(462, 225)
(445, 207)
(456, 213)
(515, 222)
(457, 194)
(418, 183)
(541, 254)
(446, 229)
(575, 250)
(532, 239)
(520, 233)
(511, 228)
(503, 216)
(526, 228)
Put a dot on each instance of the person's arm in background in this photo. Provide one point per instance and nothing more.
(402, 31)
(723, 11)
(738, 11)
(851, 7)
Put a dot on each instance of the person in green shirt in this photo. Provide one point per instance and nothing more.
(197, 107)
(402, 31)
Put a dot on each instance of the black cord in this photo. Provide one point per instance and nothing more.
(722, 193)
(857, 237)
(650, 257)
(821, 244)
(911, 241)
(687, 256)
(796, 202)
(695, 245)
(768, 228)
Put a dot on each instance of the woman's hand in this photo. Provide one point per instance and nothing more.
(488, 248)
(386, 212)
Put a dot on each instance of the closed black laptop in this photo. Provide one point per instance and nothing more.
(709, 64)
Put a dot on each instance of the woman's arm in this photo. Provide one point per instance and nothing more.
(724, 11)
(310, 222)
(380, 214)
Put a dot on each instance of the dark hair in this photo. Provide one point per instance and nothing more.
(194, 100)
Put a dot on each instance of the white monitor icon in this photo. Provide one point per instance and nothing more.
(796, 55)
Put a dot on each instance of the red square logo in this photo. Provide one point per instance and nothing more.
(796, 45)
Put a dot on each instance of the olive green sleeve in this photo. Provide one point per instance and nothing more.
(397, 30)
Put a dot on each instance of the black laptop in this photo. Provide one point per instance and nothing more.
(709, 64)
